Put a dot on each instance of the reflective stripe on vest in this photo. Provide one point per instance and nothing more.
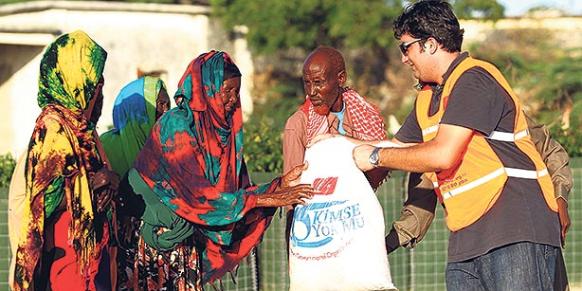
(430, 130)
(507, 136)
(495, 135)
(471, 188)
(511, 172)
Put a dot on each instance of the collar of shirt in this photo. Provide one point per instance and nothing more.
(437, 89)
(334, 122)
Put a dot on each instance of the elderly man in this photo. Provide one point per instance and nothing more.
(330, 107)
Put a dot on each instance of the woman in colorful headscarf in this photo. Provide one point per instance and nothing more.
(201, 211)
(136, 109)
(65, 230)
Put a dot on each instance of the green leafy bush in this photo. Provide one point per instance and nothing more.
(262, 147)
(548, 79)
(264, 132)
(7, 164)
(570, 139)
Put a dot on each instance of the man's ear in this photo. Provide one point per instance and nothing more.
(431, 45)
(342, 77)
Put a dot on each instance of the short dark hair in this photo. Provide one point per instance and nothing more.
(431, 18)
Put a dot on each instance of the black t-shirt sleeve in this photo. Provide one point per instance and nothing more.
(475, 102)
(410, 131)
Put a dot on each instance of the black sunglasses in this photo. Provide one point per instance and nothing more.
(404, 46)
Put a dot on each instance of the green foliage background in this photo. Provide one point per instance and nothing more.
(264, 132)
(283, 24)
(7, 164)
(282, 32)
(548, 79)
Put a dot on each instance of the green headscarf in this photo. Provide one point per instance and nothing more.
(134, 114)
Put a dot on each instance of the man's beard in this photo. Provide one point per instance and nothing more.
(322, 109)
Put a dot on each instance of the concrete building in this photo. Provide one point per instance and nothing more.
(152, 38)
(138, 38)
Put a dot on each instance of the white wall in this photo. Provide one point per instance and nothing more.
(18, 96)
(135, 40)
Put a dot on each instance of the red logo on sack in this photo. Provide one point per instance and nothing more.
(324, 186)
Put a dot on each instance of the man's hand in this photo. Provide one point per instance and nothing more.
(293, 176)
(564, 218)
(361, 155)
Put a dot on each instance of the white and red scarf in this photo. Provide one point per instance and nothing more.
(365, 119)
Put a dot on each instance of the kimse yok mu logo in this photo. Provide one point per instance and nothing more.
(328, 224)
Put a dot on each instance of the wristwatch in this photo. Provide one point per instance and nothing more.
(374, 157)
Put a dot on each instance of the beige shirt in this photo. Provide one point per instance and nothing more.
(16, 202)
(555, 156)
(295, 137)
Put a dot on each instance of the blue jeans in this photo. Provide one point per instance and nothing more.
(519, 266)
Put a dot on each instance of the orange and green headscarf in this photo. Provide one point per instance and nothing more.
(62, 154)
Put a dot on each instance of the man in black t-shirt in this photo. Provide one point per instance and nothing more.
(513, 242)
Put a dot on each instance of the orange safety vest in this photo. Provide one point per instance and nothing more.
(470, 189)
